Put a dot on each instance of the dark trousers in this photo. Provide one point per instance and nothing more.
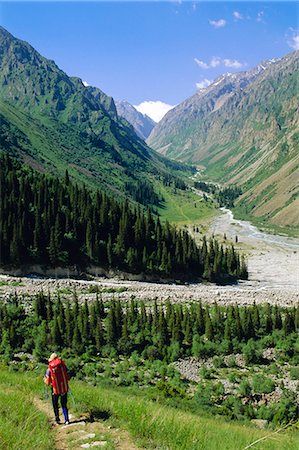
(63, 401)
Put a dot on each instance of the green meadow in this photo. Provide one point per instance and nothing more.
(185, 207)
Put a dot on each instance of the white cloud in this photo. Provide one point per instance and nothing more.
(203, 84)
(233, 63)
(218, 23)
(201, 63)
(156, 110)
(293, 39)
(217, 61)
(237, 15)
(85, 83)
(260, 17)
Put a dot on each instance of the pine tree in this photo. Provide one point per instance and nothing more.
(111, 327)
(269, 322)
(288, 324)
(98, 335)
(277, 324)
(6, 348)
(256, 317)
(41, 342)
(209, 332)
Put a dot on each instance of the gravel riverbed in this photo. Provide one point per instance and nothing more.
(273, 263)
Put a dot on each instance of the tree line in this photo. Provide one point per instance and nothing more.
(167, 331)
(55, 222)
(226, 197)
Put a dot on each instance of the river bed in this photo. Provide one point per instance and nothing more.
(273, 263)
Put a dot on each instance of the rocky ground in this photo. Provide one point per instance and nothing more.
(244, 293)
(191, 370)
(82, 432)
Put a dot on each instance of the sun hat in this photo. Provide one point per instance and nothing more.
(53, 356)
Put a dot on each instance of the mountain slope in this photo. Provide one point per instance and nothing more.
(53, 121)
(243, 129)
(141, 123)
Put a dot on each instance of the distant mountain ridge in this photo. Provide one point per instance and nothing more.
(141, 123)
(243, 129)
(53, 122)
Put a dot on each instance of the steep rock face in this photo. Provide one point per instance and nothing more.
(243, 129)
(141, 123)
(53, 121)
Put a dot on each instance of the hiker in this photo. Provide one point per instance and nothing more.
(57, 377)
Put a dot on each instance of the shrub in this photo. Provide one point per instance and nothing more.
(251, 352)
(262, 384)
(287, 409)
(244, 388)
(203, 396)
(232, 377)
(231, 361)
(218, 362)
(169, 389)
(205, 373)
(294, 373)
(219, 389)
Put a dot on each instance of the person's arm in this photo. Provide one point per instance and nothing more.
(47, 378)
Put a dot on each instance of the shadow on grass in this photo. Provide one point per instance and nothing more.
(98, 414)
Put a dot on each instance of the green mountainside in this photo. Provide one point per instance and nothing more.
(53, 121)
(48, 222)
(243, 129)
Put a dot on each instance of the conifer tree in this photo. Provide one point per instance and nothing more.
(209, 332)
(277, 324)
(288, 324)
(269, 322)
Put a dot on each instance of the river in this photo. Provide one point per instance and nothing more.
(273, 260)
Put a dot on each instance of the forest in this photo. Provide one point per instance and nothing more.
(139, 344)
(170, 331)
(55, 222)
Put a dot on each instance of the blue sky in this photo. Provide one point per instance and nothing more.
(140, 51)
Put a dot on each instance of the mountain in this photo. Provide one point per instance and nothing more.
(141, 123)
(53, 122)
(243, 129)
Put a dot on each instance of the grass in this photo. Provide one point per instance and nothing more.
(180, 209)
(22, 426)
(152, 425)
(11, 283)
(165, 427)
(105, 290)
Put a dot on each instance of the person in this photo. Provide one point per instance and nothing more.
(57, 377)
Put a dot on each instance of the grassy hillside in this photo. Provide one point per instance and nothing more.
(153, 425)
(21, 424)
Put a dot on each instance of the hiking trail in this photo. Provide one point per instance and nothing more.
(85, 431)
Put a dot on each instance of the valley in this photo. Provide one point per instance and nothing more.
(243, 129)
(143, 254)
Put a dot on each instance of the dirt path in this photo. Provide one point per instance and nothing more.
(82, 432)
